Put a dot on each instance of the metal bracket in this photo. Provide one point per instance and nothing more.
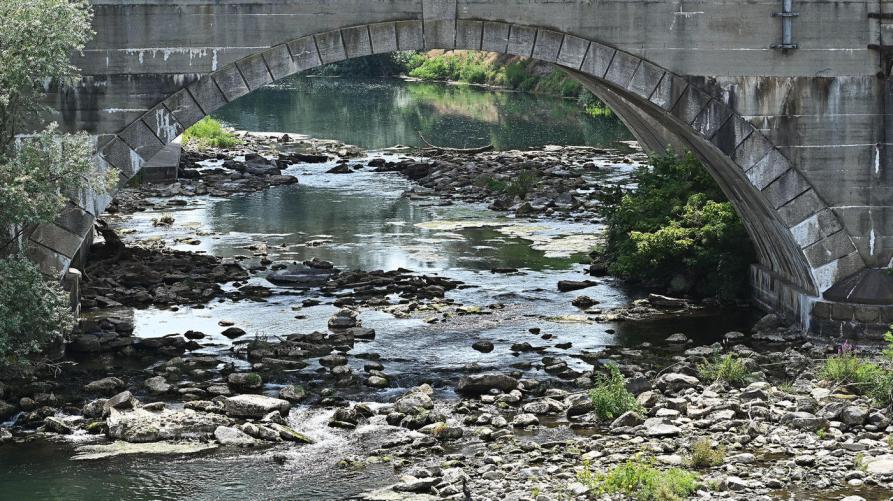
(787, 16)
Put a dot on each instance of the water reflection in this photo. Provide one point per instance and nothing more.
(383, 113)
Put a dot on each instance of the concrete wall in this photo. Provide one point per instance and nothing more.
(796, 138)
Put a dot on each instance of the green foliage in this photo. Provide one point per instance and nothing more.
(730, 369)
(33, 311)
(37, 38)
(874, 379)
(209, 133)
(704, 455)
(35, 180)
(675, 232)
(40, 172)
(610, 398)
(641, 480)
(518, 187)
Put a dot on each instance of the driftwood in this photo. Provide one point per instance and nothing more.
(466, 151)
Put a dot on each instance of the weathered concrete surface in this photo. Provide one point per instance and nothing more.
(798, 139)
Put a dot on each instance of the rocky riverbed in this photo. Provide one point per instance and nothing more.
(506, 416)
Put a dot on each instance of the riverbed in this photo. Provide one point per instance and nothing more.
(365, 220)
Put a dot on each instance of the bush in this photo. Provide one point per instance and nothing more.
(641, 480)
(209, 133)
(872, 379)
(729, 368)
(610, 398)
(676, 233)
(33, 312)
(521, 186)
(704, 455)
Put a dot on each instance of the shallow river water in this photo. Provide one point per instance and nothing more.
(362, 221)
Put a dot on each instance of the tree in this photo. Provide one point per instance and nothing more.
(39, 171)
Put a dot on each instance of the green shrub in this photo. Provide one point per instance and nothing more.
(730, 369)
(610, 398)
(676, 233)
(522, 185)
(641, 480)
(33, 311)
(872, 379)
(209, 133)
(704, 455)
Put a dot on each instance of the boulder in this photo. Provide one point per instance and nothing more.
(254, 406)
(479, 384)
(105, 386)
(292, 393)
(227, 435)
(483, 346)
(804, 421)
(140, 425)
(245, 381)
(525, 420)
(415, 401)
(674, 382)
(627, 419)
(55, 425)
(157, 385)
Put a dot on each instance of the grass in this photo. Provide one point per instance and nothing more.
(874, 379)
(610, 398)
(209, 133)
(519, 187)
(641, 480)
(730, 369)
(704, 455)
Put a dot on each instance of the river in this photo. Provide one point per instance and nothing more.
(363, 221)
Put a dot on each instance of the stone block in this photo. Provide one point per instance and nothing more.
(645, 80)
(689, 106)
(598, 60)
(185, 109)
(331, 47)
(304, 52)
(56, 238)
(122, 157)
(711, 118)
(815, 227)
(357, 42)
(669, 91)
(521, 40)
(49, 262)
(141, 139)
(800, 208)
(573, 52)
(830, 248)
(622, 68)
(231, 83)
(440, 34)
(207, 94)
(163, 123)
(439, 23)
(867, 314)
(255, 72)
(731, 134)
(821, 310)
(469, 34)
(751, 151)
(787, 187)
(410, 35)
(279, 61)
(495, 37)
(767, 170)
(75, 219)
(828, 274)
(547, 46)
(384, 37)
(842, 311)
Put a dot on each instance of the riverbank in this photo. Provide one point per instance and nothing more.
(274, 350)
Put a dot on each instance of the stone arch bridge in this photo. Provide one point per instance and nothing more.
(788, 103)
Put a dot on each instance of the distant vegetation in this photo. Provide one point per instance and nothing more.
(872, 378)
(676, 232)
(209, 133)
(481, 68)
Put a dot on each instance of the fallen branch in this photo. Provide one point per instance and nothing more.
(456, 150)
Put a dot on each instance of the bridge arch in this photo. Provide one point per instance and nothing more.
(791, 227)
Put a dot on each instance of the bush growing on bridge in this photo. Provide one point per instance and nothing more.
(676, 232)
(40, 171)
